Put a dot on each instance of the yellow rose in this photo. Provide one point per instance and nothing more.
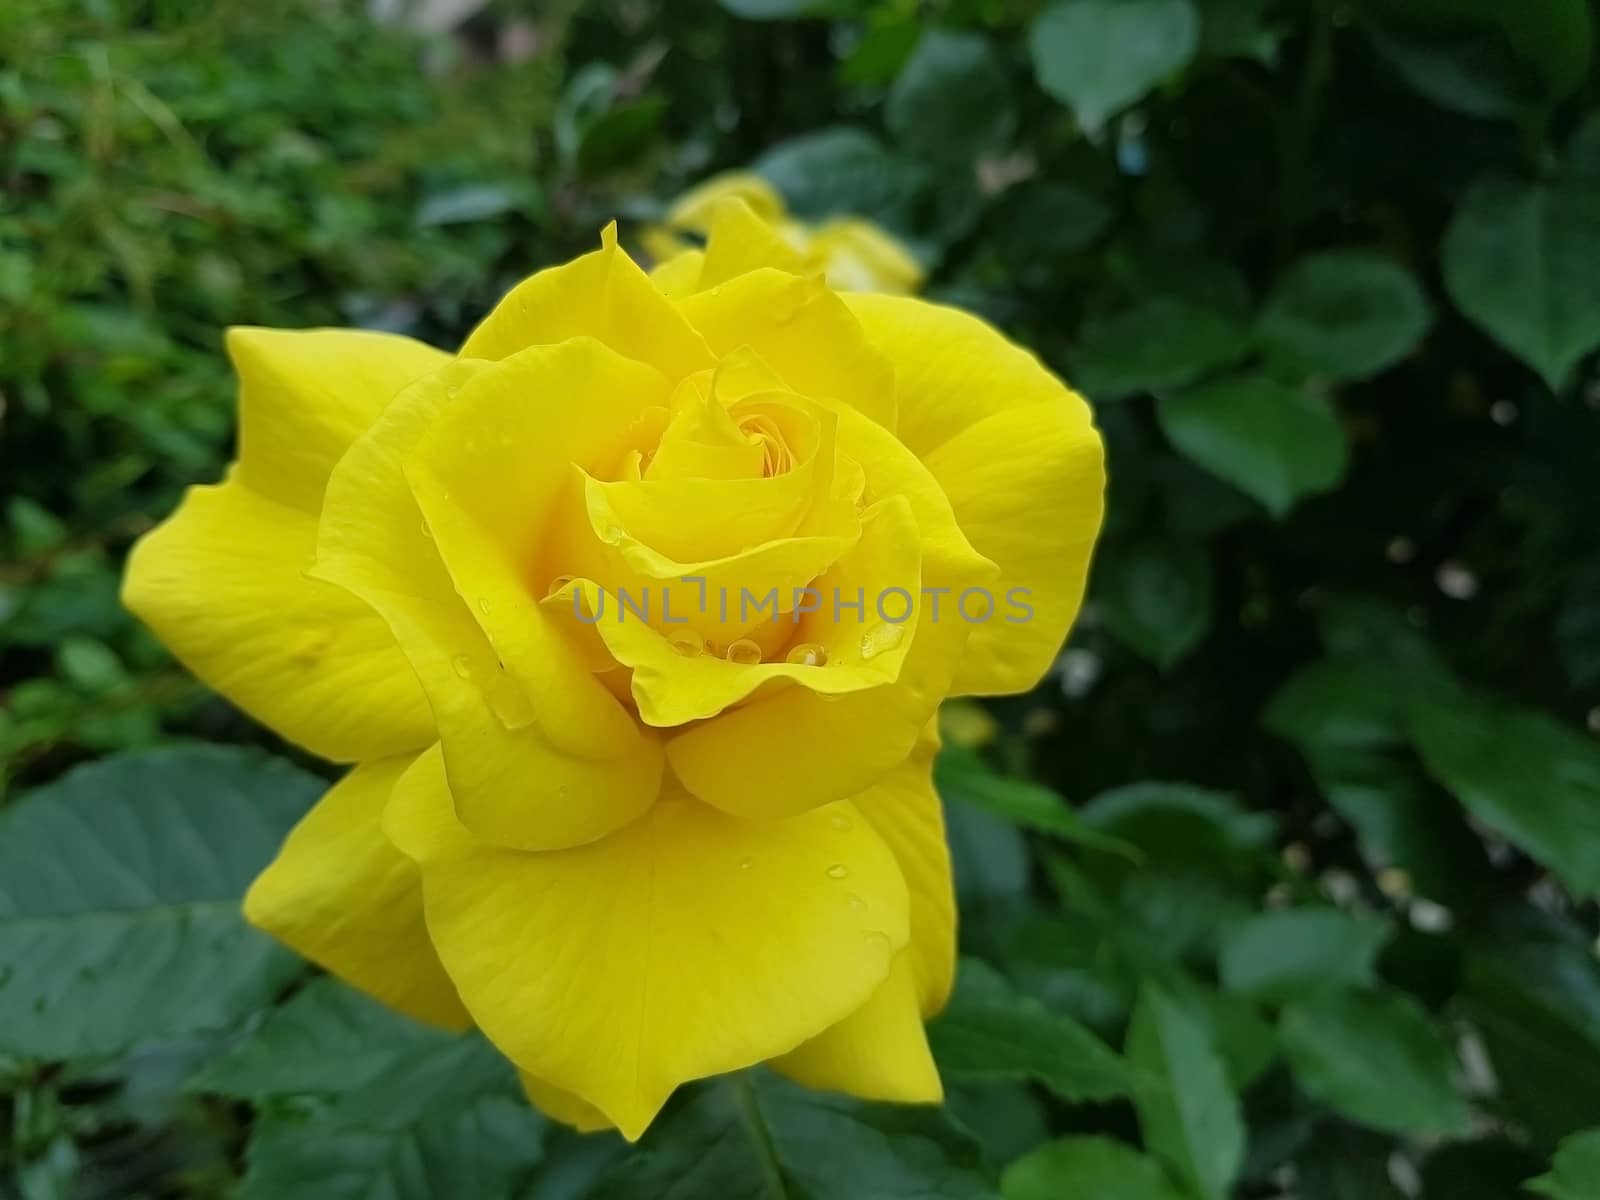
(636, 850)
(854, 255)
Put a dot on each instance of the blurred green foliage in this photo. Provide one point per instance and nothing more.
(1282, 885)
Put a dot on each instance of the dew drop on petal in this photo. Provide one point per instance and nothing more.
(807, 654)
(744, 652)
(746, 863)
(856, 903)
(556, 584)
(427, 530)
(839, 821)
(484, 605)
(462, 665)
(687, 642)
(838, 871)
(880, 639)
(878, 941)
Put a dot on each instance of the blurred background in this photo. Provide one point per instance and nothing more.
(1280, 886)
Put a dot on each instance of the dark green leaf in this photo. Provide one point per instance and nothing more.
(992, 1032)
(119, 899)
(482, 1148)
(842, 170)
(1176, 825)
(1187, 1108)
(1377, 1059)
(1282, 956)
(1492, 1169)
(1575, 1173)
(1517, 260)
(961, 775)
(1163, 342)
(1100, 56)
(1273, 442)
(952, 101)
(1522, 774)
(1346, 1164)
(756, 1137)
(1090, 1167)
(329, 1039)
(1156, 597)
(1344, 314)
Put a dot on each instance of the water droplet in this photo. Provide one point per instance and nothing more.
(838, 871)
(856, 903)
(744, 652)
(427, 530)
(839, 821)
(880, 639)
(483, 605)
(463, 666)
(807, 654)
(687, 642)
(746, 863)
(878, 941)
(556, 584)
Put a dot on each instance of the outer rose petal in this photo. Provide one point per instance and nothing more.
(685, 945)
(1009, 443)
(878, 1052)
(343, 896)
(905, 810)
(563, 1106)
(305, 395)
(602, 295)
(522, 779)
(221, 583)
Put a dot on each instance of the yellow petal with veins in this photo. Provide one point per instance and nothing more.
(343, 896)
(686, 945)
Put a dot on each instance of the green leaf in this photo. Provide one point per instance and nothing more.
(360, 1102)
(1533, 993)
(952, 101)
(1095, 1168)
(1187, 1108)
(1349, 703)
(757, 1137)
(1177, 825)
(1345, 314)
(482, 1148)
(1161, 343)
(1482, 57)
(1273, 442)
(843, 170)
(991, 1032)
(1155, 597)
(962, 775)
(119, 899)
(1522, 774)
(1575, 1172)
(1297, 952)
(1377, 1059)
(1041, 222)
(328, 1039)
(1100, 56)
(1518, 260)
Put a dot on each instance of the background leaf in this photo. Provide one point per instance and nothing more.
(1376, 1059)
(1273, 442)
(119, 899)
(1099, 56)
